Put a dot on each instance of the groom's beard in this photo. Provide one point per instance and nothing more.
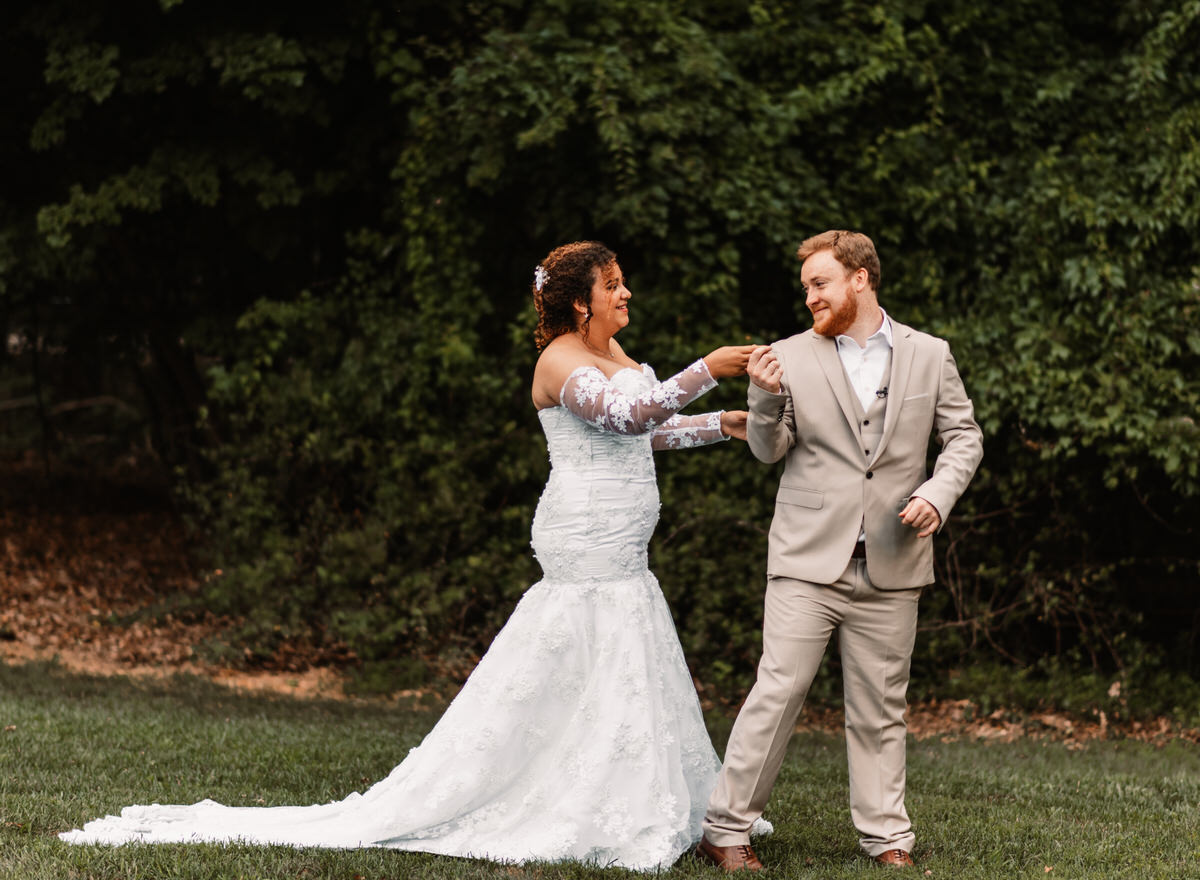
(834, 322)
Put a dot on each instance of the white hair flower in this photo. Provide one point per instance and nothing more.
(539, 278)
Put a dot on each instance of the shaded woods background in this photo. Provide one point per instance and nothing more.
(281, 259)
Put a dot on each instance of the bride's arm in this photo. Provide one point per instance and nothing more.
(591, 395)
(684, 432)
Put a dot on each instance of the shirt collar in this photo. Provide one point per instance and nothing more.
(883, 334)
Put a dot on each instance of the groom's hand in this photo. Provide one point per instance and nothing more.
(765, 370)
(920, 514)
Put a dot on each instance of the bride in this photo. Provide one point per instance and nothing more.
(579, 734)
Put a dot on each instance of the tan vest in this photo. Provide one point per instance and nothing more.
(870, 423)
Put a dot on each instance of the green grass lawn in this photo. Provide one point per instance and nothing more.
(75, 748)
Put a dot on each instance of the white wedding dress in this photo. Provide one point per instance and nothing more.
(579, 734)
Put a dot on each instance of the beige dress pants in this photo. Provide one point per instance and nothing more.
(876, 629)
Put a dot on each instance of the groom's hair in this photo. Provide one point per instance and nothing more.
(852, 249)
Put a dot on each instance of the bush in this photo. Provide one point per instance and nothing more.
(368, 459)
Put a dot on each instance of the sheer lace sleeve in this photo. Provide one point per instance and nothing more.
(684, 432)
(589, 394)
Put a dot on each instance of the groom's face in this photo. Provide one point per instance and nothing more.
(829, 293)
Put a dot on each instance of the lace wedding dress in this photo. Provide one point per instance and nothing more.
(578, 735)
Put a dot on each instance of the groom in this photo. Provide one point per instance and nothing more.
(850, 406)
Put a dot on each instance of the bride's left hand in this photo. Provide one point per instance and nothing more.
(733, 423)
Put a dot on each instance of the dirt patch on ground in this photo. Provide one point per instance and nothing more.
(315, 682)
(89, 582)
(952, 720)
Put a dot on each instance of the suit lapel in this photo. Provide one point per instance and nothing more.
(831, 365)
(902, 359)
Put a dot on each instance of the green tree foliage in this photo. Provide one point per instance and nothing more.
(332, 218)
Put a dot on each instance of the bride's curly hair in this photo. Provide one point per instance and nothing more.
(567, 275)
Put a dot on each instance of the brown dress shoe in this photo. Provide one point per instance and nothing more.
(897, 858)
(729, 858)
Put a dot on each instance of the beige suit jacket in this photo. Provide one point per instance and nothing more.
(829, 488)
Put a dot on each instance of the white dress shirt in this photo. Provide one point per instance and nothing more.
(865, 366)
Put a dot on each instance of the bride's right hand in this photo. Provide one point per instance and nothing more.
(728, 360)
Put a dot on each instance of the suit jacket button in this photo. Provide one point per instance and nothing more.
(870, 474)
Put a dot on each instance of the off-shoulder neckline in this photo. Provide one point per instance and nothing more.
(640, 370)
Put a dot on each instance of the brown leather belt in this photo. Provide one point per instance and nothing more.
(860, 550)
